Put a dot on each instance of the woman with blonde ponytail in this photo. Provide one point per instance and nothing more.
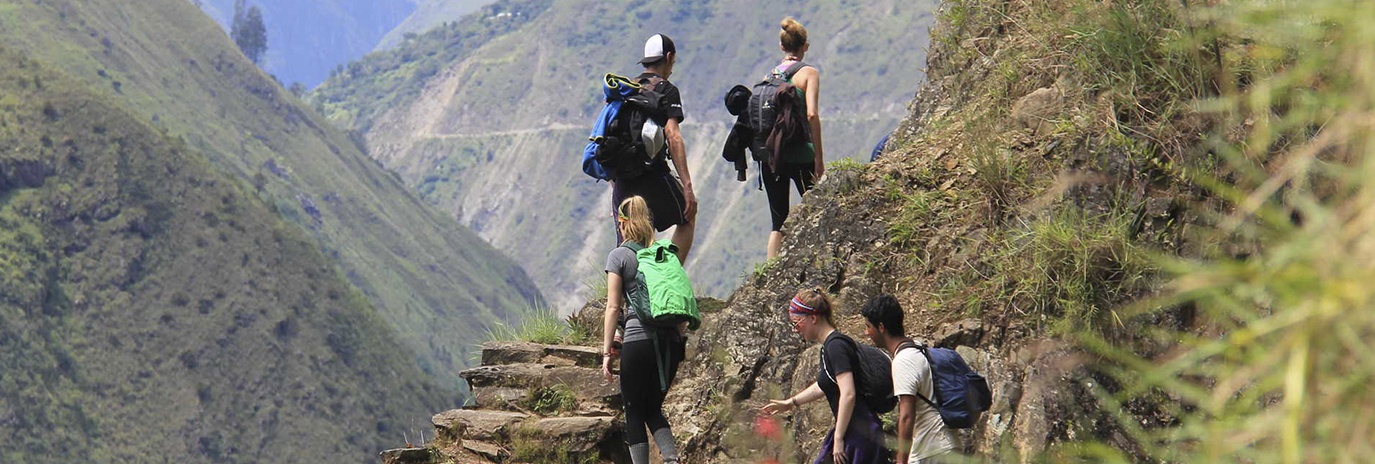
(801, 164)
(642, 388)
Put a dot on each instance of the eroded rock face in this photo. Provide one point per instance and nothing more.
(23, 174)
(1038, 109)
(406, 456)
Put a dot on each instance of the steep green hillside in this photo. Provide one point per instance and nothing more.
(487, 117)
(166, 63)
(152, 310)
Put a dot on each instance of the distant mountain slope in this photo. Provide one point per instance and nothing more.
(152, 310)
(430, 14)
(163, 61)
(307, 39)
(489, 125)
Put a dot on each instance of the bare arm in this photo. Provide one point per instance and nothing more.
(812, 393)
(811, 84)
(610, 318)
(678, 152)
(845, 407)
(907, 418)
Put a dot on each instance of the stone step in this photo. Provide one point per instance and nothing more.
(498, 353)
(568, 439)
(464, 424)
(501, 436)
(511, 386)
(485, 450)
(406, 456)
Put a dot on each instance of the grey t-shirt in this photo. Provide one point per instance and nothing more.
(622, 262)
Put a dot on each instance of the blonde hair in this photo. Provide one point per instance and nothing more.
(817, 299)
(793, 36)
(635, 220)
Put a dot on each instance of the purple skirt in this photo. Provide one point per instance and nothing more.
(863, 442)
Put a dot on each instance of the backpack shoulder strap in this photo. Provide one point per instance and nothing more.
(826, 368)
(651, 83)
(625, 280)
(929, 364)
(793, 69)
(905, 345)
(857, 363)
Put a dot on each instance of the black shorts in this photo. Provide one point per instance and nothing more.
(662, 193)
(776, 186)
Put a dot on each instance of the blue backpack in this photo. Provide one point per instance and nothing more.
(961, 394)
(618, 147)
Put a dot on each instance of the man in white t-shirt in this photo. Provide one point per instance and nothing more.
(923, 437)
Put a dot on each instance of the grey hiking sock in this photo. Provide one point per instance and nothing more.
(663, 438)
(639, 453)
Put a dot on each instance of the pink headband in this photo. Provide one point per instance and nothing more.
(797, 307)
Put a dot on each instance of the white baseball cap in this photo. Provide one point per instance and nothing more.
(656, 48)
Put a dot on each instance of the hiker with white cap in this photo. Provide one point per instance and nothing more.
(669, 196)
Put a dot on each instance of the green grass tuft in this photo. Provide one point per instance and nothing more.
(541, 325)
(552, 401)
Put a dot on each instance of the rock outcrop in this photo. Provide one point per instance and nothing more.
(534, 404)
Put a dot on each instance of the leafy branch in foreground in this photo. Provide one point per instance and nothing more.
(1279, 365)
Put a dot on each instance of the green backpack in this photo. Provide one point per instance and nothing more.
(665, 299)
(663, 296)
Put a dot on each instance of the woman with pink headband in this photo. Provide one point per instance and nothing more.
(857, 437)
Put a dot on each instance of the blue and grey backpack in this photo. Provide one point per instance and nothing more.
(625, 141)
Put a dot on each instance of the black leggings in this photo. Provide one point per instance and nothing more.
(644, 400)
(776, 186)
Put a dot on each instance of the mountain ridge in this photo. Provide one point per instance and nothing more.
(152, 309)
(438, 283)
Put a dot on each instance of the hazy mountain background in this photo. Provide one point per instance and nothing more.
(429, 14)
(153, 310)
(487, 116)
(307, 39)
(329, 307)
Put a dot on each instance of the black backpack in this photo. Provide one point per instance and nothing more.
(762, 110)
(874, 379)
(622, 149)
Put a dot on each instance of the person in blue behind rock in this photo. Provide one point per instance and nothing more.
(857, 437)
